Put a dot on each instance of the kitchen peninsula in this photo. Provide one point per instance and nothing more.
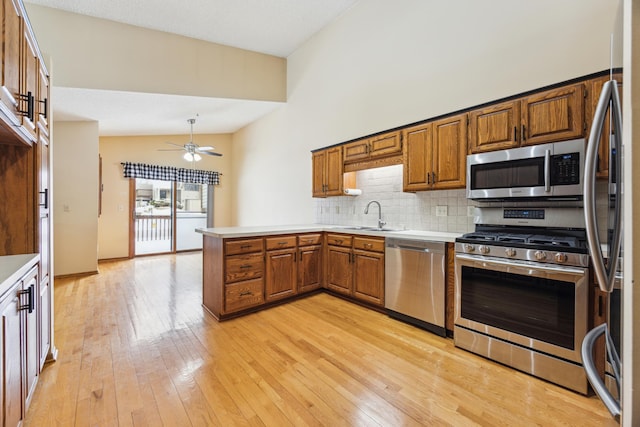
(246, 269)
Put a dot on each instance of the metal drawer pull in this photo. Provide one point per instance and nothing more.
(245, 246)
(244, 266)
(245, 293)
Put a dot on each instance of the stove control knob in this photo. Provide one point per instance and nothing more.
(510, 252)
(469, 248)
(484, 249)
(560, 257)
(540, 255)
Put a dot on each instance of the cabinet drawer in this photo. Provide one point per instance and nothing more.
(281, 242)
(309, 239)
(243, 267)
(244, 294)
(244, 246)
(368, 244)
(339, 240)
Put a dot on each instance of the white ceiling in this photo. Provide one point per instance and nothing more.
(275, 27)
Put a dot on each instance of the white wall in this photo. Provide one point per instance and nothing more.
(385, 64)
(101, 54)
(75, 197)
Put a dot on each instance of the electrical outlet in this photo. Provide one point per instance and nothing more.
(441, 210)
(471, 210)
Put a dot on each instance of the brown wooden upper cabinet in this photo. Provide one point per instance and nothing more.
(383, 145)
(548, 116)
(434, 155)
(594, 87)
(19, 74)
(327, 172)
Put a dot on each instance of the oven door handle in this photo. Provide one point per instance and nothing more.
(519, 267)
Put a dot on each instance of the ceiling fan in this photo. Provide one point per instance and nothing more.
(192, 151)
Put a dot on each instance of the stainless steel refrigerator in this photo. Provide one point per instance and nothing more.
(606, 256)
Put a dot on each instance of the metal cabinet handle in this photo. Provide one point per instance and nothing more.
(515, 133)
(523, 133)
(30, 299)
(245, 266)
(244, 293)
(44, 108)
(45, 203)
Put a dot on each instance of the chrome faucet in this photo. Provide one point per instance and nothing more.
(381, 223)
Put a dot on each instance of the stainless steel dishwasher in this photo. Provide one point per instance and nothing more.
(414, 282)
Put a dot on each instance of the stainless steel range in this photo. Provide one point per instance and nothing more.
(522, 291)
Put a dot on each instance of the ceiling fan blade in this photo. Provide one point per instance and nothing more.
(170, 149)
(205, 148)
(177, 145)
(210, 153)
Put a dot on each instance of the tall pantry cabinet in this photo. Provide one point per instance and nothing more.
(25, 225)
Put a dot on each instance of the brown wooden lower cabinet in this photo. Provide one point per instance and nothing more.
(355, 267)
(368, 276)
(281, 274)
(310, 268)
(338, 267)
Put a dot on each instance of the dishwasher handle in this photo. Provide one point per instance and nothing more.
(416, 245)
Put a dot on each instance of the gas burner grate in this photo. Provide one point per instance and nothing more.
(562, 241)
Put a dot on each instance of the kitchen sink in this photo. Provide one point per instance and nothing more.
(365, 228)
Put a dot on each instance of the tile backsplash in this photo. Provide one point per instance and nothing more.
(416, 211)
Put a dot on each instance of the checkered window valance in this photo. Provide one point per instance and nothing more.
(170, 173)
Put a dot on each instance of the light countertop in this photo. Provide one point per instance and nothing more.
(13, 267)
(254, 231)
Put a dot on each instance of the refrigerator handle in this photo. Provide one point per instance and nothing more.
(609, 95)
(592, 373)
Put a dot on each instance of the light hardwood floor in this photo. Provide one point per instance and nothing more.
(136, 348)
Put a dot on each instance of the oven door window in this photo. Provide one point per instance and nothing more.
(535, 307)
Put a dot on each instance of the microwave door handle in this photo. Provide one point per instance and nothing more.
(547, 178)
(605, 280)
(592, 373)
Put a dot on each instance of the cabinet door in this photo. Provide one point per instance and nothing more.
(339, 273)
(368, 273)
(334, 172)
(44, 321)
(309, 268)
(358, 150)
(42, 166)
(31, 359)
(11, 36)
(554, 115)
(418, 143)
(43, 104)
(385, 145)
(31, 75)
(318, 163)
(495, 127)
(449, 152)
(281, 274)
(12, 357)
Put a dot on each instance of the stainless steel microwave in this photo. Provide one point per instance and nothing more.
(544, 171)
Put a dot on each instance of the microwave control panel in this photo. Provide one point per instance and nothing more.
(565, 169)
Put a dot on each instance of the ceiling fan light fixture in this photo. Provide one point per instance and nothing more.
(188, 157)
(197, 157)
